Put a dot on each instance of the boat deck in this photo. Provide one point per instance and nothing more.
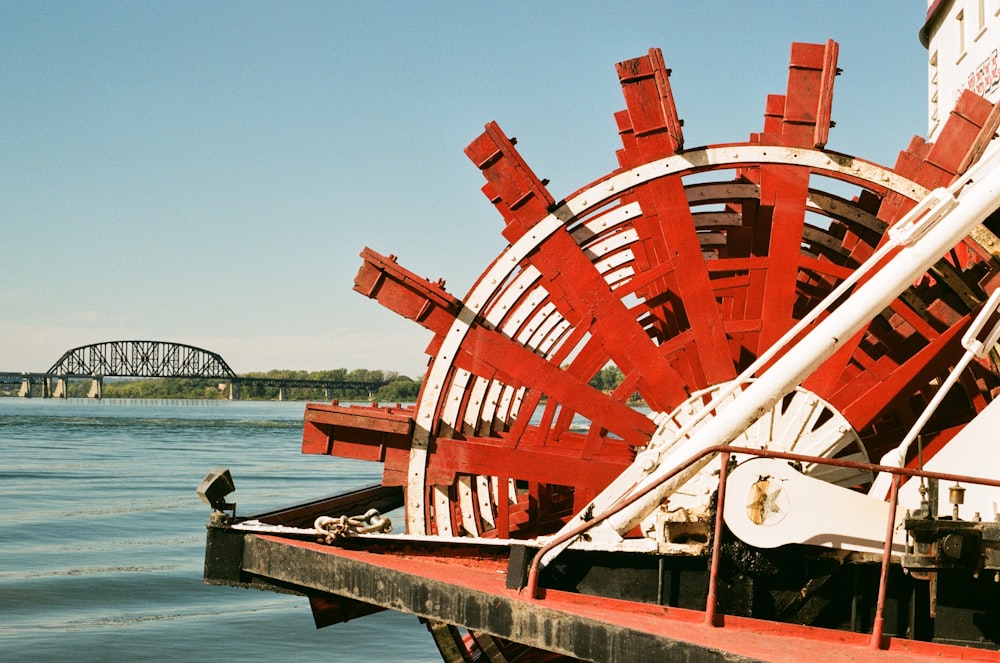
(471, 591)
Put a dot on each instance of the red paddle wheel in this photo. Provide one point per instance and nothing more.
(681, 325)
(679, 269)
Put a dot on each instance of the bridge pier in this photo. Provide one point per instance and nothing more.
(234, 390)
(281, 393)
(61, 389)
(28, 382)
(96, 387)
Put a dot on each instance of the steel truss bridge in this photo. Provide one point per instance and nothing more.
(155, 359)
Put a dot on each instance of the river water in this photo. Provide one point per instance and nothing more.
(102, 535)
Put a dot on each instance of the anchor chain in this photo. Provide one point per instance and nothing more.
(332, 528)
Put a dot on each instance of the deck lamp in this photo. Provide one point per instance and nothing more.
(215, 487)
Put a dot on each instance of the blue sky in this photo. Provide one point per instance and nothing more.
(207, 173)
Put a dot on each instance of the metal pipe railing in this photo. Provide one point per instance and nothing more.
(883, 582)
(725, 451)
(713, 574)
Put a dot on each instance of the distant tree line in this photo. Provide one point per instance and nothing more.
(195, 388)
(397, 388)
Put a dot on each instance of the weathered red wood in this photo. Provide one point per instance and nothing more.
(862, 406)
(666, 227)
(451, 457)
(938, 166)
(782, 197)
(532, 398)
(652, 114)
(363, 433)
(821, 131)
(773, 225)
(824, 267)
(969, 125)
(806, 116)
(666, 213)
(402, 291)
(587, 363)
(776, 221)
(748, 250)
(396, 420)
(578, 290)
(516, 365)
(503, 511)
(488, 353)
(511, 185)
(360, 432)
(984, 138)
(774, 113)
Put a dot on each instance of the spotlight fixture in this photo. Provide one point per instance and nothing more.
(214, 489)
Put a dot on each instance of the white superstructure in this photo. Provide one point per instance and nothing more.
(962, 39)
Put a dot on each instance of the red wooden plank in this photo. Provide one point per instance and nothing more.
(488, 353)
(666, 226)
(821, 132)
(358, 432)
(774, 113)
(398, 420)
(667, 218)
(783, 196)
(806, 116)
(514, 364)
(931, 165)
(652, 113)
(511, 185)
(861, 406)
(578, 290)
(484, 456)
